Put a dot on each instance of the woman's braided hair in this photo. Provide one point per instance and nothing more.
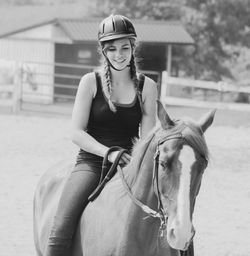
(107, 80)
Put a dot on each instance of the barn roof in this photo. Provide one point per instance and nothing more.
(147, 31)
(73, 21)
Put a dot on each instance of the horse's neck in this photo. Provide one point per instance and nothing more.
(142, 189)
(140, 172)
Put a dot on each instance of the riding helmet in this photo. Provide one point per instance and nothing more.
(116, 27)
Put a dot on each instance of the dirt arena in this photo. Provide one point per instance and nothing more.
(30, 143)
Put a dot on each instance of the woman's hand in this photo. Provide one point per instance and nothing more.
(125, 159)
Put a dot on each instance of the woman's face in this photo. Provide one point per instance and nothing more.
(119, 53)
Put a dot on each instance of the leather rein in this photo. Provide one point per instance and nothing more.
(160, 213)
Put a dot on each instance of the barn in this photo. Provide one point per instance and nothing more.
(56, 47)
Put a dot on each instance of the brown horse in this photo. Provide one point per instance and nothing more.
(146, 209)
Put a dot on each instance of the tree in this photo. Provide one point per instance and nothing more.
(215, 25)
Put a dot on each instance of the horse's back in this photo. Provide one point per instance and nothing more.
(98, 215)
(45, 202)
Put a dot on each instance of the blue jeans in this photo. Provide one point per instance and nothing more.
(81, 183)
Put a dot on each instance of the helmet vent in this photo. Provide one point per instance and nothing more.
(113, 23)
(125, 24)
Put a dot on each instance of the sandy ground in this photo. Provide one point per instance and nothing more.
(32, 143)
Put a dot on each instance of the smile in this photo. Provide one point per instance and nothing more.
(119, 61)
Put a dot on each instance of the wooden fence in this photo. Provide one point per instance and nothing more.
(195, 93)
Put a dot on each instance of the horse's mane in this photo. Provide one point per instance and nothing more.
(138, 152)
(141, 144)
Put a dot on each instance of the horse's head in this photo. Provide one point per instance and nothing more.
(180, 160)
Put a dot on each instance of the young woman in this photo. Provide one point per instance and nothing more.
(113, 107)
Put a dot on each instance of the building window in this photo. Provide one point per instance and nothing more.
(84, 56)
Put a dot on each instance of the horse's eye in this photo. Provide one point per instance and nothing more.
(165, 164)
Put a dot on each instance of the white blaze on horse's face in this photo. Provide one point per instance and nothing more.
(180, 228)
(175, 172)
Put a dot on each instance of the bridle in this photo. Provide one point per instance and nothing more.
(161, 210)
(160, 213)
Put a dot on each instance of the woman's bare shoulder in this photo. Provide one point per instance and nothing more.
(150, 87)
(88, 83)
(149, 81)
(88, 78)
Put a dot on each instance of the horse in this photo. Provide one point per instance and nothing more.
(146, 209)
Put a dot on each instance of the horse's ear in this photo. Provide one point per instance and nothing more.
(163, 116)
(207, 120)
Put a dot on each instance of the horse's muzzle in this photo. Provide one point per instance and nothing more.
(177, 240)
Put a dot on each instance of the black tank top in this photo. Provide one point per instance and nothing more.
(110, 128)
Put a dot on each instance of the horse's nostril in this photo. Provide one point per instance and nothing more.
(172, 235)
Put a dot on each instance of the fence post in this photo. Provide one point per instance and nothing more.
(164, 86)
(17, 93)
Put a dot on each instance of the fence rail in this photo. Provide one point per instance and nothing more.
(196, 93)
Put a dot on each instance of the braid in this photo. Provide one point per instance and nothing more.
(107, 86)
(135, 79)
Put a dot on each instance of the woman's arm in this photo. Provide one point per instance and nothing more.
(80, 116)
(149, 97)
